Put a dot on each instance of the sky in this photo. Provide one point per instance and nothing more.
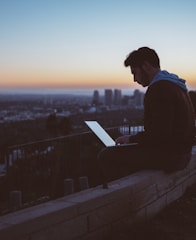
(82, 44)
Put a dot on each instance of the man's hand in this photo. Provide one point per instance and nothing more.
(122, 140)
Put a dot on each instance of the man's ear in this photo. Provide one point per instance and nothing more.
(146, 66)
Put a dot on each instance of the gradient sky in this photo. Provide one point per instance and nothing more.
(83, 43)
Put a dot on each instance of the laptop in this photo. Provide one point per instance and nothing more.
(101, 133)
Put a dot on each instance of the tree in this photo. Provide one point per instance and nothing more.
(65, 125)
(51, 123)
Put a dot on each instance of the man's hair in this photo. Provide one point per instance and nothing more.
(138, 57)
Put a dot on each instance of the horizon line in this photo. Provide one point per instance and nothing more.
(45, 91)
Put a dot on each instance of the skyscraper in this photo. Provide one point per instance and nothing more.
(117, 97)
(139, 98)
(96, 100)
(108, 97)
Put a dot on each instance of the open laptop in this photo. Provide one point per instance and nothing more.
(101, 133)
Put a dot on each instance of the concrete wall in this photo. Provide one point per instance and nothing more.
(96, 213)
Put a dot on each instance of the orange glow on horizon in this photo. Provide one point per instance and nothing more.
(60, 79)
(84, 81)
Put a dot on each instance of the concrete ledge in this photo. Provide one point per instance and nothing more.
(96, 213)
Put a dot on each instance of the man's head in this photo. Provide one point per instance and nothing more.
(144, 64)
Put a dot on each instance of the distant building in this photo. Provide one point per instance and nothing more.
(117, 97)
(139, 99)
(108, 97)
(131, 102)
(95, 100)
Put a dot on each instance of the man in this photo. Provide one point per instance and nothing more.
(167, 140)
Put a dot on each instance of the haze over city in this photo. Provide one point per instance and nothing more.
(49, 45)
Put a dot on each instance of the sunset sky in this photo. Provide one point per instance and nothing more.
(81, 44)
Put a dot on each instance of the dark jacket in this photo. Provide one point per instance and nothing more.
(168, 121)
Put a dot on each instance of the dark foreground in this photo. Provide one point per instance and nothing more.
(175, 222)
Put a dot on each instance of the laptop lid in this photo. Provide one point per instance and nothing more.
(101, 133)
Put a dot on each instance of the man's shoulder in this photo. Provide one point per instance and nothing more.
(164, 86)
(164, 90)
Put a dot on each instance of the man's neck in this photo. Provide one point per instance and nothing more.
(153, 73)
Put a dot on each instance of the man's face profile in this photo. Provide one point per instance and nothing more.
(140, 76)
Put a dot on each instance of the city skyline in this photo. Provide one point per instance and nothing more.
(64, 91)
(81, 45)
